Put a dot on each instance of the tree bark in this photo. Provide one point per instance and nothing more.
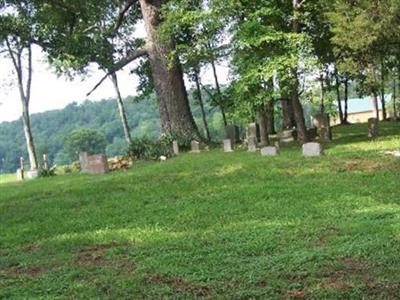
(269, 108)
(374, 103)
(297, 107)
(346, 101)
(384, 114)
(121, 109)
(262, 117)
(322, 91)
(25, 95)
(221, 105)
(394, 98)
(201, 103)
(175, 113)
(339, 101)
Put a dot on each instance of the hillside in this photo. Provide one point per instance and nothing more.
(52, 127)
(214, 225)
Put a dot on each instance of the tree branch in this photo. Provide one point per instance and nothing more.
(121, 14)
(119, 65)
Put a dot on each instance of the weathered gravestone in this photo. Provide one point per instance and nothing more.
(232, 133)
(195, 147)
(227, 145)
(45, 162)
(32, 174)
(287, 136)
(270, 151)
(252, 130)
(21, 170)
(373, 127)
(312, 149)
(175, 147)
(322, 123)
(252, 144)
(93, 164)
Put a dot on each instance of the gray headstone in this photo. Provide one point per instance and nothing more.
(232, 133)
(32, 174)
(175, 147)
(252, 130)
(312, 149)
(227, 145)
(93, 164)
(322, 123)
(287, 136)
(20, 174)
(252, 144)
(195, 147)
(270, 151)
(373, 127)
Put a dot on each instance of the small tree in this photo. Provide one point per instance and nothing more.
(85, 140)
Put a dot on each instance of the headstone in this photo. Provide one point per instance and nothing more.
(232, 133)
(322, 123)
(252, 130)
(93, 164)
(372, 127)
(45, 162)
(312, 149)
(175, 147)
(270, 151)
(287, 136)
(20, 175)
(252, 144)
(163, 158)
(227, 145)
(32, 174)
(195, 147)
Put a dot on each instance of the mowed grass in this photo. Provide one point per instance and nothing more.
(7, 178)
(214, 225)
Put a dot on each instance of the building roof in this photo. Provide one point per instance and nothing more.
(358, 105)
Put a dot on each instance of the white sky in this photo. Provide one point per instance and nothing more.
(51, 92)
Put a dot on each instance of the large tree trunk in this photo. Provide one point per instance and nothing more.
(201, 104)
(297, 107)
(287, 112)
(346, 102)
(384, 114)
(339, 101)
(175, 113)
(121, 109)
(269, 107)
(374, 103)
(262, 117)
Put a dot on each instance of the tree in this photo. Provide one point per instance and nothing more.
(85, 140)
(17, 41)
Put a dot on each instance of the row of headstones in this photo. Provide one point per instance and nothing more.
(23, 174)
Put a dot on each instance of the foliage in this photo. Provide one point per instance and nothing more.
(148, 149)
(47, 172)
(85, 140)
(212, 226)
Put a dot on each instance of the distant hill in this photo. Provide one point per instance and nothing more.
(51, 128)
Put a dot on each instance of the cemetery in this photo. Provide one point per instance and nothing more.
(199, 149)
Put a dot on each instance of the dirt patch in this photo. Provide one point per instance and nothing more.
(295, 294)
(31, 271)
(365, 166)
(179, 285)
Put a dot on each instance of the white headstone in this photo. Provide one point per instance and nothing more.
(227, 145)
(32, 174)
(312, 149)
(195, 147)
(175, 147)
(270, 151)
(252, 144)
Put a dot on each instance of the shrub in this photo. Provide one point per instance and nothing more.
(85, 140)
(47, 172)
(148, 149)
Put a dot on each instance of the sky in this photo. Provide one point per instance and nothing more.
(52, 92)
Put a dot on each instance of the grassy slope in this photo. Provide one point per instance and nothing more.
(7, 178)
(212, 225)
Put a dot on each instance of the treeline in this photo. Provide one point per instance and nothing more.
(52, 128)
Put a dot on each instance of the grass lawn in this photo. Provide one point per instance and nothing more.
(214, 225)
(7, 178)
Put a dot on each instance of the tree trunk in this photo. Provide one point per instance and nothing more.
(346, 102)
(221, 104)
(121, 109)
(374, 103)
(25, 96)
(297, 107)
(384, 114)
(287, 112)
(269, 109)
(339, 99)
(322, 91)
(175, 113)
(201, 103)
(263, 121)
(394, 98)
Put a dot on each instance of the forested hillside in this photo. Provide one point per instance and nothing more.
(51, 128)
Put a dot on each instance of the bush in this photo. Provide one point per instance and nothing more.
(183, 140)
(47, 172)
(148, 149)
(85, 140)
